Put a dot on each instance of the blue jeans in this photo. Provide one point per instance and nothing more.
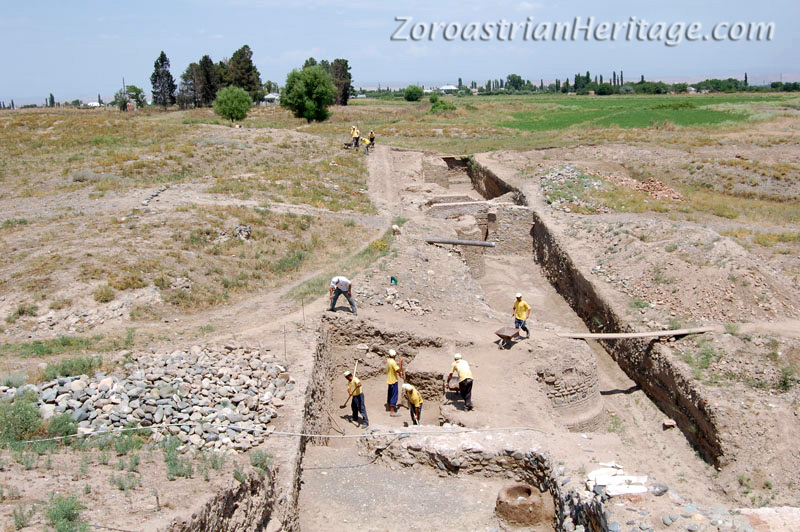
(391, 395)
(520, 324)
(336, 294)
(358, 406)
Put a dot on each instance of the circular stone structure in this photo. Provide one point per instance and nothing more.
(521, 504)
(570, 381)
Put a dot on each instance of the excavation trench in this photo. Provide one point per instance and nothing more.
(524, 230)
(475, 465)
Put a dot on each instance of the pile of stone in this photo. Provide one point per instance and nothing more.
(566, 188)
(210, 398)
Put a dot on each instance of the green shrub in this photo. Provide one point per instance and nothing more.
(232, 103)
(62, 425)
(22, 311)
(103, 294)
(439, 105)
(22, 517)
(14, 381)
(127, 443)
(72, 366)
(176, 466)
(261, 461)
(63, 512)
(19, 419)
(412, 93)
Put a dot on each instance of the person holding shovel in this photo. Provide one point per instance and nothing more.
(356, 394)
(415, 402)
(393, 369)
(461, 367)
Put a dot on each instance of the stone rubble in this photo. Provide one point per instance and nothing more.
(210, 398)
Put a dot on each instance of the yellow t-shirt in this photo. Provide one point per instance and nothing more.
(462, 368)
(365, 141)
(356, 134)
(354, 387)
(521, 308)
(414, 397)
(391, 371)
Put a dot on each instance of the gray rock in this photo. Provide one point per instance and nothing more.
(614, 527)
(80, 415)
(658, 489)
(667, 520)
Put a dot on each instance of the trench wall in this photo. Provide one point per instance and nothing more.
(244, 507)
(647, 363)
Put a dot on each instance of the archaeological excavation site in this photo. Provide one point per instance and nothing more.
(628, 406)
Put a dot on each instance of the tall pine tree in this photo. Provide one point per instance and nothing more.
(243, 73)
(163, 83)
(340, 73)
(208, 81)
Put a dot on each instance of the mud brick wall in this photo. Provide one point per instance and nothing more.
(509, 227)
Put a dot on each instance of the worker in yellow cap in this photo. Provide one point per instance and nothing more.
(393, 369)
(521, 313)
(355, 393)
(461, 367)
(372, 137)
(367, 145)
(415, 400)
(356, 135)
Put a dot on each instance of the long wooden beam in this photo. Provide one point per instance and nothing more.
(457, 242)
(646, 334)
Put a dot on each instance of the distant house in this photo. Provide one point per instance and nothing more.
(94, 104)
(272, 98)
(361, 96)
(691, 90)
(448, 88)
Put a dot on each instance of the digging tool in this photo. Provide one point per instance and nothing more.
(354, 376)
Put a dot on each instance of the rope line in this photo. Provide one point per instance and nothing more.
(270, 432)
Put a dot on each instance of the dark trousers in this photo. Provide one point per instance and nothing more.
(391, 394)
(336, 294)
(416, 414)
(357, 405)
(355, 142)
(465, 390)
(520, 324)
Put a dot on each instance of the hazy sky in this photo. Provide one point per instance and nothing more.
(77, 49)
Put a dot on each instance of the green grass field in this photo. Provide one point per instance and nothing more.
(624, 112)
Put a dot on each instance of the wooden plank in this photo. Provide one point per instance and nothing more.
(646, 334)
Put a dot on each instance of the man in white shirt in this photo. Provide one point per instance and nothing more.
(341, 285)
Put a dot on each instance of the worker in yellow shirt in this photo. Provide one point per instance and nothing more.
(372, 136)
(461, 367)
(393, 369)
(415, 402)
(521, 313)
(355, 393)
(367, 145)
(356, 135)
